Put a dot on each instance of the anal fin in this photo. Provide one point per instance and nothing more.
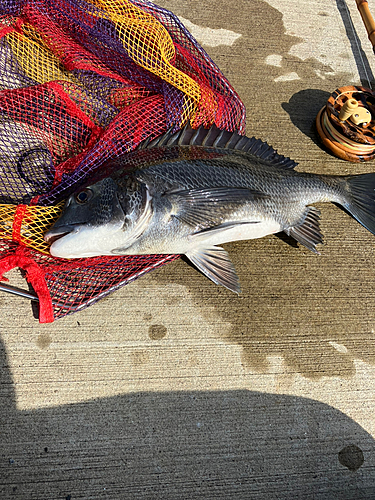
(215, 263)
(308, 232)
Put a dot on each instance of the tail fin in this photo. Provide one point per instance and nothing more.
(361, 203)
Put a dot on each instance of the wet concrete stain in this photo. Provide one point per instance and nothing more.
(351, 457)
(173, 300)
(147, 317)
(139, 357)
(192, 358)
(43, 341)
(157, 332)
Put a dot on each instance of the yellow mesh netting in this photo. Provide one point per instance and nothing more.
(35, 58)
(27, 225)
(149, 44)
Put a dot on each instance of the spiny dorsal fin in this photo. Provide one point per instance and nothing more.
(308, 232)
(220, 139)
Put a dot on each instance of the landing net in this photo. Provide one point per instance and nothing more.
(82, 82)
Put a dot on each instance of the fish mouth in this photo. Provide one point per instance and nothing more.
(55, 234)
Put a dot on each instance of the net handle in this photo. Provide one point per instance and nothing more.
(35, 276)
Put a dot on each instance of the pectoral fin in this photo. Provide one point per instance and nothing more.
(203, 208)
(202, 235)
(215, 263)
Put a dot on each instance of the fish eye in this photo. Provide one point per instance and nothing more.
(83, 196)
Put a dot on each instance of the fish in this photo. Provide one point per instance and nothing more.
(190, 191)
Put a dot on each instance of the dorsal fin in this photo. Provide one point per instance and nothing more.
(220, 139)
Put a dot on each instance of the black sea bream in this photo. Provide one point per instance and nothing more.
(187, 192)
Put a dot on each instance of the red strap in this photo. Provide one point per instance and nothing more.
(17, 222)
(35, 276)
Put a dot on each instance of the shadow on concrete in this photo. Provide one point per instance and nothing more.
(303, 107)
(179, 445)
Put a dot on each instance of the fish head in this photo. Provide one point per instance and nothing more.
(97, 219)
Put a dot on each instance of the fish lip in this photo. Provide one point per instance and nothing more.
(55, 234)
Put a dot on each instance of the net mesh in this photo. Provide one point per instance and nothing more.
(82, 82)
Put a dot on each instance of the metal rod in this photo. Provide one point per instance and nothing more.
(18, 291)
(29, 295)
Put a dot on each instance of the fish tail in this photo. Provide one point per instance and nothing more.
(361, 200)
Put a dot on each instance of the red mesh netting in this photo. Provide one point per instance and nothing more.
(82, 82)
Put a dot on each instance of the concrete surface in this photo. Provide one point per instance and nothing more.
(173, 388)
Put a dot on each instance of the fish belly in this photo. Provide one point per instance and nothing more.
(242, 231)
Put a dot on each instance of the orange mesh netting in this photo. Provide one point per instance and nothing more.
(82, 82)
